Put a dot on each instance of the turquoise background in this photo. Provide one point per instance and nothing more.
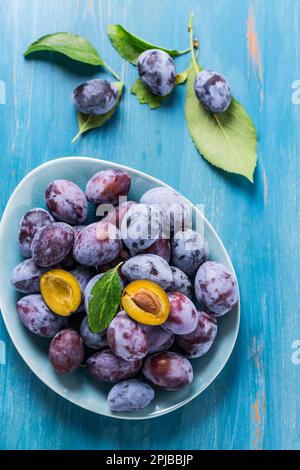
(254, 403)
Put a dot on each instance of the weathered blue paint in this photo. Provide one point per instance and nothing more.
(254, 403)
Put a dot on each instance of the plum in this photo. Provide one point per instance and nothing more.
(117, 214)
(97, 244)
(158, 339)
(160, 247)
(183, 317)
(30, 223)
(92, 340)
(216, 288)
(52, 243)
(175, 210)
(199, 342)
(26, 277)
(83, 274)
(126, 338)
(66, 351)
(189, 251)
(130, 395)
(157, 71)
(66, 201)
(107, 186)
(213, 92)
(141, 227)
(148, 267)
(168, 370)
(95, 97)
(105, 366)
(38, 318)
(181, 283)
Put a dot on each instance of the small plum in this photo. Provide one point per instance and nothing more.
(130, 395)
(30, 223)
(213, 92)
(158, 339)
(168, 370)
(105, 366)
(26, 277)
(66, 201)
(95, 97)
(183, 317)
(66, 351)
(126, 338)
(199, 342)
(216, 288)
(97, 244)
(52, 243)
(92, 340)
(148, 267)
(107, 186)
(181, 283)
(189, 251)
(38, 318)
(157, 71)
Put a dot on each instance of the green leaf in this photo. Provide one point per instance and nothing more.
(86, 122)
(71, 45)
(105, 300)
(144, 96)
(227, 140)
(130, 47)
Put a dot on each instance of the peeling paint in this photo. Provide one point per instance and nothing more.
(259, 406)
(254, 50)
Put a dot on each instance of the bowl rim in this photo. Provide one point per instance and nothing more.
(215, 234)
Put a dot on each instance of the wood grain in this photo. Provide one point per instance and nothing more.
(254, 403)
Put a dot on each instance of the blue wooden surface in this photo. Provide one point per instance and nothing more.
(255, 402)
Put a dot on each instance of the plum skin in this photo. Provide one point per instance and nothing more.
(212, 90)
(183, 317)
(26, 277)
(30, 223)
(130, 395)
(181, 283)
(141, 227)
(216, 288)
(126, 338)
(92, 340)
(52, 243)
(174, 209)
(38, 318)
(66, 201)
(106, 366)
(95, 97)
(66, 351)
(157, 71)
(199, 342)
(158, 339)
(97, 244)
(189, 251)
(107, 186)
(168, 370)
(148, 267)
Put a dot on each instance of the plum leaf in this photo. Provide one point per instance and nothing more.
(130, 46)
(227, 140)
(86, 122)
(104, 301)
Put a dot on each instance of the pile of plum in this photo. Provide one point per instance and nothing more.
(158, 328)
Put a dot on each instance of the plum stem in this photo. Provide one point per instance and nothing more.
(112, 72)
(192, 44)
